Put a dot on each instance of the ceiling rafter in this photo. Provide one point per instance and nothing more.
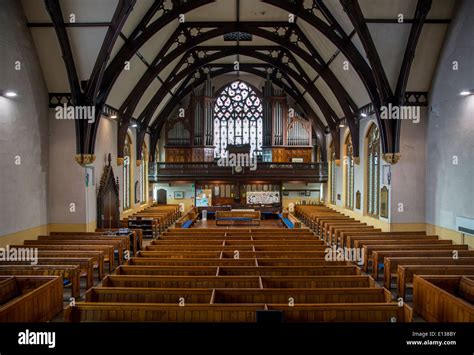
(191, 34)
(219, 52)
(85, 134)
(222, 69)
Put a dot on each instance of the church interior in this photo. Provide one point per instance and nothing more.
(237, 161)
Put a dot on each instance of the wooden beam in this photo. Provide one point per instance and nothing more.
(422, 9)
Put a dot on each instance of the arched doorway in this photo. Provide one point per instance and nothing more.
(162, 197)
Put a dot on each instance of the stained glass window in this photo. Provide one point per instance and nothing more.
(143, 171)
(126, 173)
(238, 119)
(349, 162)
(333, 174)
(373, 171)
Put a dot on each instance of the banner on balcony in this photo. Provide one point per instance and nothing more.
(263, 197)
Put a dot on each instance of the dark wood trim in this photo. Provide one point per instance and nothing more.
(432, 21)
(422, 9)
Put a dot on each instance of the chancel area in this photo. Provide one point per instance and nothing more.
(236, 161)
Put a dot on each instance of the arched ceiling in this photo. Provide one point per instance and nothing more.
(299, 54)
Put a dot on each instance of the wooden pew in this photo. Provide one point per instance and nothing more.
(137, 236)
(116, 245)
(107, 250)
(437, 298)
(303, 296)
(391, 264)
(121, 243)
(188, 218)
(69, 272)
(235, 262)
(30, 299)
(86, 266)
(135, 239)
(340, 281)
(289, 270)
(174, 281)
(379, 255)
(191, 262)
(133, 312)
(405, 273)
(347, 237)
(148, 312)
(238, 217)
(369, 249)
(166, 270)
(96, 256)
(149, 295)
(339, 230)
(346, 312)
(290, 221)
(362, 242)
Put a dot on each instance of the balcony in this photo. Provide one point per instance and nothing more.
(308, 172)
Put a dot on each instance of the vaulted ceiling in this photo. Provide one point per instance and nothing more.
(320, 59)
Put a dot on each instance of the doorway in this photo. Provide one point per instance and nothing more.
(162, 197)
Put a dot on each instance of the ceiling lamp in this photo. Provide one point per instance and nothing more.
(466, 92)
(113, 116)
(9, 94)
(362, 114)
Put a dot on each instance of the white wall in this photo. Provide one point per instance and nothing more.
(450, 187)
(23, 126)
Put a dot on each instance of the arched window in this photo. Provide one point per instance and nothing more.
(349, 171)
(373, 171)
(333, 174)
(127, 150)
(143, 175)
(238, 119)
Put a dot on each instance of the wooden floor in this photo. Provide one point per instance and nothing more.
(264, 224)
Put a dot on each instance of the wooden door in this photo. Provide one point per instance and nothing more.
(162, 197)
(110, 217)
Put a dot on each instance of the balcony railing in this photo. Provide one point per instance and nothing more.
(314, 172)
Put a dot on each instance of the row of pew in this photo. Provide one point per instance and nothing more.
(397, 257)
(237, 275)
(55, 263)
(153, 220)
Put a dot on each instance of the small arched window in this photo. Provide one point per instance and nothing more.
(127, 150)
(373, 171)
(349, 173)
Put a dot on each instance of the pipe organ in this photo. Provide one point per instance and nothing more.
(286, 134)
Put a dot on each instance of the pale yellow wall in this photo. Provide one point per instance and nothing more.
(19, 237)
(32, 233)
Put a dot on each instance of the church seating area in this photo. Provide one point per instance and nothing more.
(237, 275)
(400, 255)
